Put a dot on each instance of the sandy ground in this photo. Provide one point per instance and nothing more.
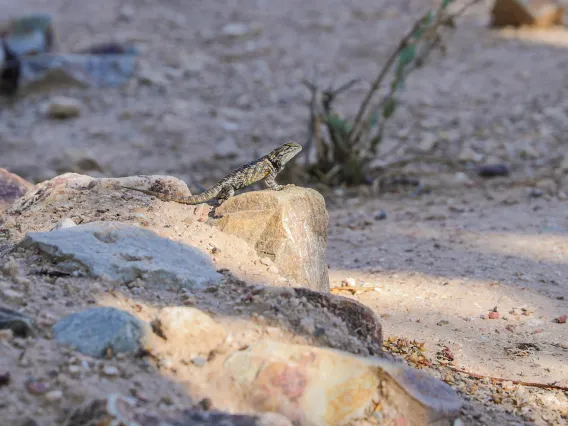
(441, 262)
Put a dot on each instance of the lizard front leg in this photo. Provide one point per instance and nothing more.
(271, 183)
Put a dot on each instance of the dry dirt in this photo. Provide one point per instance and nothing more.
(440, 262)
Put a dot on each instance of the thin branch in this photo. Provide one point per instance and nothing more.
(382, 74)
(515, 382)
(345, 87)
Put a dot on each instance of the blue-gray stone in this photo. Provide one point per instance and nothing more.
(94, 330)
(122, 253)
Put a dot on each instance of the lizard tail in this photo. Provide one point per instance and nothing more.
(192, 199)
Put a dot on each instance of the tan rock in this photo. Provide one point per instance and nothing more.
(536, 13)
(288, 226)
(189, 332)
(12, 187)
(326, 387)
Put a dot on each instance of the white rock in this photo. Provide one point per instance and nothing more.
(54, 395)
(61, 107)
(65, 223)
(239, 29)
(110, 370)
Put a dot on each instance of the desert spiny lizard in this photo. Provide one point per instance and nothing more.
(265, 168)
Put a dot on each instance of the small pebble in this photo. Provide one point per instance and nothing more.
(349, 282)
(273, 269)
(54, 395)
(110, 370)
(535, 192)
(74, 370)
(380, 215)
(199, 361)
(61, 107)
(561, 319)
(6, 335)
(5, 379)
(492, 170)
(37, 388)
(493, 315)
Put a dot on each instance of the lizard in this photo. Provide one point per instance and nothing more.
(265, 168)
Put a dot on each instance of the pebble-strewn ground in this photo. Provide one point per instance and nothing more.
(220, 82)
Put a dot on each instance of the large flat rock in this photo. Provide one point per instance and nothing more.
(123, 253)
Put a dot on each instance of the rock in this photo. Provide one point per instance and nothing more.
(12, 187)
(494, 315)
(516, 13)
(20, 324)
(295, 379)
(240, 30)
(36, 387)
(468, 154)
(561, 319)
(49, 71)
(199, 361)
(120, 410)
(461, 179)
(123, 253)
(13, 296)
(349, 282)
(380, 215)
(288, 226)
(61, 107)
(94, 330)
(65, 223)
(189, 331)
(492, 170)
(110, 371)
(54, 395)
(29, 35)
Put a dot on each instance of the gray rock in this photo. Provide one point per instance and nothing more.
(94, 330)
(123, 253)
(20, 324)
(48, 71)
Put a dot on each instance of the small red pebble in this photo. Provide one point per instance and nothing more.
(494, 315)
(561, 319)
(37, 388)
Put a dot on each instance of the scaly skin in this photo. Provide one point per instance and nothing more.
(265, 168)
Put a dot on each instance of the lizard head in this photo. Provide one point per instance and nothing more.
(285, 153)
